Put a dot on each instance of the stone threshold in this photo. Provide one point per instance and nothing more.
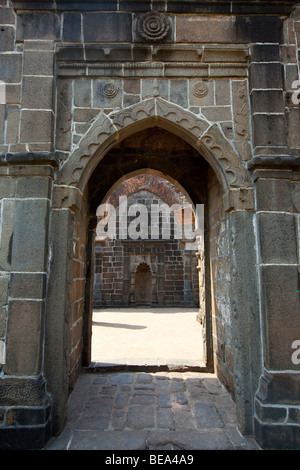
(147, 366)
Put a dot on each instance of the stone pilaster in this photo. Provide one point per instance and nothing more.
(25, 206)
(277, 224)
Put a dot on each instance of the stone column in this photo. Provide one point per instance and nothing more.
(25, 206)
(274, 169)
(59, 298)
(89, 289)
(277, 404)
(246, 347)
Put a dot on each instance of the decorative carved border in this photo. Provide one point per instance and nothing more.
(107, 130)
(25, 392)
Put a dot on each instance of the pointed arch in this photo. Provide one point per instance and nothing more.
(108, 130)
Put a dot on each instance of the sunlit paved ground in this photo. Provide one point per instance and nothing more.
(147, 336)
(148, 409)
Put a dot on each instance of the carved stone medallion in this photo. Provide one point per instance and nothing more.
(153, 26)
(110, 90)
(200, 89)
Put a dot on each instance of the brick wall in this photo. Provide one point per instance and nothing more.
(173, 266)
(220, 281)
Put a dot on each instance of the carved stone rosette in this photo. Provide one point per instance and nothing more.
(153, 26)
(110, 90)
(200, 89)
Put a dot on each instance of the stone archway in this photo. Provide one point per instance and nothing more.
(107, 130)
(70, 192)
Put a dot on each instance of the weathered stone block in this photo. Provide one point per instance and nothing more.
(23, 353)
(132, 86)
(33, 186)
(2, 122)
(228, 29)
(38, 25)
(36, 126)
(37, 61)
(217, 113)
(27, 285)
(277, 234)
(7, 15)
(267, 101)
(280, 315)
(29, 240)
(13, 93)
(151, 86)
(203, 29)
(72, 27)
(222, 92)
(291, 75)
(266, 75)
(269, 129)
(274, 195)
(37, 92)
(82, 92)
(270, 414)
(12, 125)
(293, 126)
(11, 67)
(98, 27)
(264, 53)
(4, 282)
(258, 29)
(7, 228)
(2, 322)
(179, 92)
(26, 417)
(7, 38)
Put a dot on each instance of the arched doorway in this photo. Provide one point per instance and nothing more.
(143, 285)
(204, 163)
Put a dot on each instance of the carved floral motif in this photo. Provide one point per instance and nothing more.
(200, 89)
(153, 26)
(110, 90)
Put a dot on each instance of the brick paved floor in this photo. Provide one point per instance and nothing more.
(150, 411)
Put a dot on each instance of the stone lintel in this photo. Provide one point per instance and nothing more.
(283, 162)
(171, 6)
(144, 60)
(29, 158)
